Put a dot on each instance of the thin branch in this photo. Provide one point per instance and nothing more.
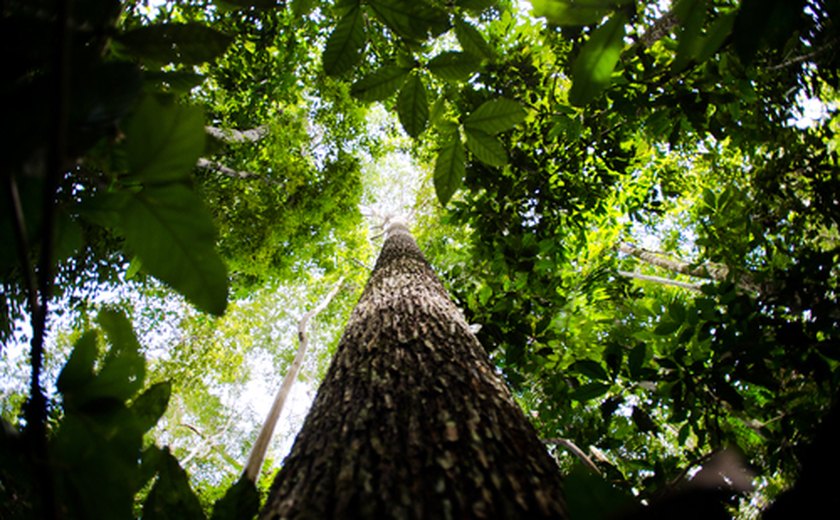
(577, 452)
(661, 27)
(214, 166)
(804, 57)
(231, 136)
(660, 280)
(22, 244)
(710, 271)
(257, 456)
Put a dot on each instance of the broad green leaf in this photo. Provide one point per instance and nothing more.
(124, 368)
(173, 234)
(449, 167)
(78, 371)
(345, 44)
(590, 368)
(303, 7)
(171, 497)
(453, 65)
(163, 142)
(636, 359)
(716, 35)
(380, 84)
(476, 6)
(575, 12)
(495, 116)
(241, 501)
(590, 391)
(677, 311)
(189, 43)
(593, 68)
(486, 148)
(666, 327)
(411, 20)
(412, 106)
(471, 40)
(150, 405)
(692, 16)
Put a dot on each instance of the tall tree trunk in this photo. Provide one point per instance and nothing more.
(412, 420)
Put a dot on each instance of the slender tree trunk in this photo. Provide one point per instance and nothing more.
(412, 420)
(257, 456)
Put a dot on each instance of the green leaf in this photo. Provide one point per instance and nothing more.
(241, 502)
(495, 116)
(345, 44)
(471, 40)
(642, 420)
(589, 391)
(78, 371)
(151, 404)
(453, 65)
(692, 16)
(303, 7)
(565, 12)
(636, 360)
(593, 68)
(411, 20)
(666, 327)
(591, 497)
(716, 36)
(677, 311)
(412, 106)
(124, 368)
(380, 84)
(449, 167)
(174, 235)
(163, 142)
(486, 148)
(590, 368)
(171, 497)
(189, 43)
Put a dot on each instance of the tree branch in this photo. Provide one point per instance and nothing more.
(657, 279)
(231, 136)
(577, 452)
(715, 272)
(207, 164)
(257, 456)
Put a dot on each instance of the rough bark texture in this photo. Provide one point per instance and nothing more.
(412, 421)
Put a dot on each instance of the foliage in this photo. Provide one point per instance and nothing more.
(550, 139)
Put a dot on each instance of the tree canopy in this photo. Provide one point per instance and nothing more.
(636, 204)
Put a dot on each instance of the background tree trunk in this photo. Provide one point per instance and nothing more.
(412, 420)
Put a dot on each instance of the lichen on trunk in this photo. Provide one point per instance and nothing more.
(412, 420)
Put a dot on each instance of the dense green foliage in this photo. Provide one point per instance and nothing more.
(631, 203)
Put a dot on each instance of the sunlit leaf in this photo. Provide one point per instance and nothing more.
(174, 235)
(453, 65)
(471, 40)
(574, 12)
(413, 106)
(486, 148)
(495, 116)
(345, 44)
(411, 20)
(449, 167)
(380, 84)
(593, 68)
(163, 142)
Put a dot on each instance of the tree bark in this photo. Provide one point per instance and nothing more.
(412, 420)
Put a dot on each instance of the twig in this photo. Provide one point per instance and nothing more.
(207, 164)
(658, 279)
(577, 452)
